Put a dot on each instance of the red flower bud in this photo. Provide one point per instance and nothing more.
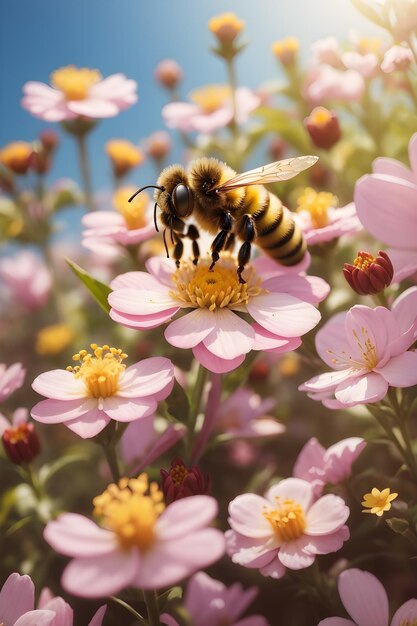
(369, 275)
(181, 482)
(168, 73)
(323, 127)
(21, 443)
(49, 140)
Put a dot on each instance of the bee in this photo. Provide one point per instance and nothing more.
(229, 205)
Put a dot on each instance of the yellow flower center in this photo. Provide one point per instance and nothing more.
(220, 288)
(377, 502)
(211, 97)
(130, 509)
(226, 26)
(124, 154)
(364, 261)
(286, 49)
(134, 212)
(15, 155)
(75, 82)
(287, 519)
(54, 339)
(317, 204)
(320, 117)
(99, 371)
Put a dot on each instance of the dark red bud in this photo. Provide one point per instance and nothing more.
(49, 140)
(369, 275)
(323, 127)
(21, 443)
(181, 482)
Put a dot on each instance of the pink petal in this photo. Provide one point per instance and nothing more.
(168, 562)
(168, 620)
(307, 288)
(214, 363)
(324, 544)
(336, 621)
(103, 575)
(294, 489)
(404, 262)
(326, 515)
(35, 618)
(128, 409)
(17, 597)
(283, 314)
(376, 326)
(292, 555)
(268, 268)
(58, 411)
(146, 378)
(93, 108)
(164, 442)
(186, 516)
(406, 614)
(162, 270)
(89, 424)
(311, 457)
(275, 569)
(98, 616)
(250, 552)
(247, 516)
(76, 535)
(140, 301)
(331, 342)
(191, 329)
(385, 206)
(59, 385)
(253, 620)
(136, 280)
(231, 336)
(364, 598)
(340, 457)
(143, 321)
(405, 309)
(64, 615)
(329, 380)
(367, 388)
(392, 167)
(102, 220)
(41, 90)
(401, 371)
(265, 340)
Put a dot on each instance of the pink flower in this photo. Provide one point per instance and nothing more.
(28, 279)
(326, 83)
(396, 59)
(157, 548)
(100, 389)
(368, 351)
(385, 202)
(64, 615)
(19, 416)
(279, 303)
(326, 51)
(209, 602)
(109, 231)
(319, 466)
(244, 414)
(286, 528)
(79, 92)
(11, 378)
(17, 602)
(211, 109)
(320, 220)
(147, 439)
(366, 65)
(366, 601)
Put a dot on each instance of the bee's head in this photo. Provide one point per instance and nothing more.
(182, 200)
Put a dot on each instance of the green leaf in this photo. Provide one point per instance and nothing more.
(169, 596)
(178, 404)
(50, 469)
(98, 290)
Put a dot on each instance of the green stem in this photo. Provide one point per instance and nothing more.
(85, 170)
(151, 601)
(130, 609)
(110, 453)
(32, 480)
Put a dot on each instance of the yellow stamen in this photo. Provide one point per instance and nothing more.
(368, 351)
(287, 519)
(377, 502)
(364, 261)
(130, 509)
(178, 473)
(320, 117)
(134, 212)
(75, 82)
(99, 371)
(220, 288)
(54, 339)
(211, 97)
(317, 204)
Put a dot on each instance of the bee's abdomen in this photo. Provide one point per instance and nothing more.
(277, 233)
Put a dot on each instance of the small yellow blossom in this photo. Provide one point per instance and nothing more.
(211, 97)
(289, 365)
(54, 339)
(75, 82)
(286, 50)
(124, 155)
(226, 26)
(16, 156)
(377, 502)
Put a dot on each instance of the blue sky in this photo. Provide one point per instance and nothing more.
(132, 36)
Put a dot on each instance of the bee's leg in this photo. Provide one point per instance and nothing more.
(230, 242)
(248, 235)
(194, 234)
(178, 248)
(226, 223)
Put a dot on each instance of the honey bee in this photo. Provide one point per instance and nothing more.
(229, 205)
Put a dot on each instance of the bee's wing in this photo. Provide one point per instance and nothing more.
(271, 173)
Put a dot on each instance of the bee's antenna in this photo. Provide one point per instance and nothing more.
(154, 217)
(165, 243)
(143, 188)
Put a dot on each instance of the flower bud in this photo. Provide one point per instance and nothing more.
(226, 27)
(49, 140)
(168, 73)
(369, 275)
(21, 443)
(286, 50)
(16, 156)
(323, 127)
(123, 155)
(181, 482)
(158, 145)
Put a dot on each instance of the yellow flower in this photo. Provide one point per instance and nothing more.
(377, 502)
(54, 339)
(124, 155)
(75, 82)
(286, 50)
(134, 212)
(16, 156)
(226, 26)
